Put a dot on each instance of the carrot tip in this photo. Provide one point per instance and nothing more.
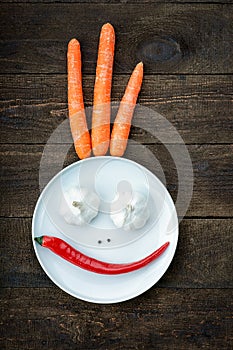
(74, 42)
(139, 65)
(108, 25)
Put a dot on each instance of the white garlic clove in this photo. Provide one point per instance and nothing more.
(79, 206)
(133, 215)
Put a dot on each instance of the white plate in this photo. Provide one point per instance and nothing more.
(101, 239)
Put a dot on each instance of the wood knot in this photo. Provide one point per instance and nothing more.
(159, 49)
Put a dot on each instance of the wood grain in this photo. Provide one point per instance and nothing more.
(197, 319)
(199, 107)
(212, 164)
(169, 38)
(187, 50)
(106, 2)
(201, 260)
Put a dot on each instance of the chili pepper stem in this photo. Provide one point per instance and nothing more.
(39, 240)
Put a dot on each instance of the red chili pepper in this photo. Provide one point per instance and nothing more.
(64, 250)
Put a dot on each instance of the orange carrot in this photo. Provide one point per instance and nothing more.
(102, 92)
(122, 123)
(77, 116)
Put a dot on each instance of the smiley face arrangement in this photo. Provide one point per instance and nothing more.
(79, 207)
(87, 260)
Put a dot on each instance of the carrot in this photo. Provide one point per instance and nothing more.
(122, 123)
(102, 91)
(77, 116)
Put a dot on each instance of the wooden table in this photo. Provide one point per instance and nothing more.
(187, 51)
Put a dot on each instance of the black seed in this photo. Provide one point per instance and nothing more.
(108, 240)
(99, 242)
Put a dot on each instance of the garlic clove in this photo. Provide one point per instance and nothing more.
(118, 219)
(80, 206)
(141, 220)
(132, 215)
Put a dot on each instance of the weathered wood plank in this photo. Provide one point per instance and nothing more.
(160, 319)
(169, 38)
(117, 1)
(202, 258)
(200, 107)
(213, 172)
